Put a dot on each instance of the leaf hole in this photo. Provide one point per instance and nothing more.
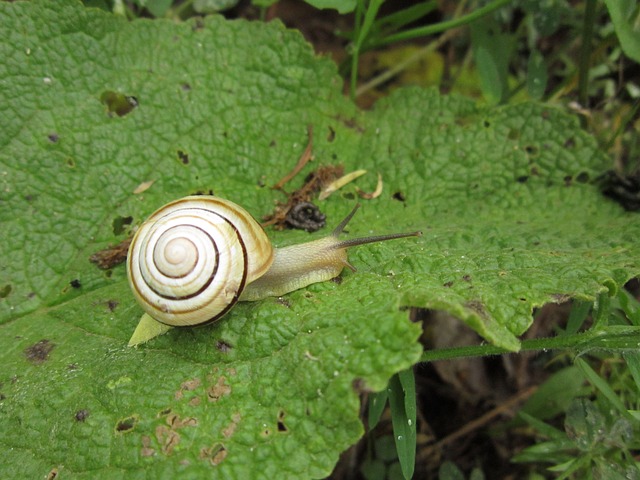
(282, 428)
(53, 137)
(399, 196)
(582, 177)
(126, 424)
(5, 291)
(522, 179)
(75, 283)
(71, 163)
(569, 143)
(118, 103)
(531, 150)
(120, 224)
(332, 135)
(183, 157)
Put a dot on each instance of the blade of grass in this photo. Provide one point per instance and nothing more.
(599, 383)
(441, 26)
(402, 400)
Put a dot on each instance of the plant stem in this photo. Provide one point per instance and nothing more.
(439, 27)
(618, 338)
(585, 52)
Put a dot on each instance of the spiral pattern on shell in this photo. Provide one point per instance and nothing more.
(190, 261)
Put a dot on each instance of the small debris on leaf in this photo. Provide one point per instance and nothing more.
(111, 256)
(39, 352)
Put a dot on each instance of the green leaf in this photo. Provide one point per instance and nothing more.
(491, 54)
(510, 223)
(604, 388)
(625, 16)
(536, 75)
(212, 6)
(402, 402)
(342, 6)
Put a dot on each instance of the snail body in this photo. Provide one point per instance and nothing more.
(194, 258)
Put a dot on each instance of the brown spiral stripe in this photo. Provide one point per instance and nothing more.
(190, 261)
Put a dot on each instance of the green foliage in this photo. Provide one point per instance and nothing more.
(92, 106)
(599, 432)
(625, 15)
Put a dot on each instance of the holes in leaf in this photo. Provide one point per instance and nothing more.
(399, 196)
(118, 103)
(522, 178)
(486, 124)
(183, 157)
(53, 137)
(569, 143)
(532, 150)
(75, 283)
(185, 87)
(126, 424)
(120, 224)
(282, 428)
(71, 163)
(5, 290)
(568, 180)
(582, 177)
(332, 135)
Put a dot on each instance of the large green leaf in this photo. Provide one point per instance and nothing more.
(509, 223)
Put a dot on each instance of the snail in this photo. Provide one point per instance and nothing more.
(195, 257)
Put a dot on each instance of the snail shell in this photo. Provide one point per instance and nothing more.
(190, 261)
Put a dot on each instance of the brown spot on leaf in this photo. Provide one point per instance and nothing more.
(167, 438)
(219, 390)
(146, 450)
(223, 346)
(81, 415)
(111, 305)
(478, 307)
(53, 473)
(187, 386)
(175, 422)
(215, 454)
(39, 352)
(229, 430)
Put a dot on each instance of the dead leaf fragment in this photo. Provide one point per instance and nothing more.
(112, 255)
(340, 182)
(143, 187)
